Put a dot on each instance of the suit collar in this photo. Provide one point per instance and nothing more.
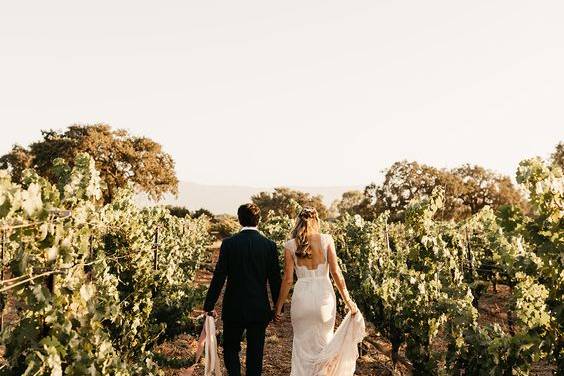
(246, 228)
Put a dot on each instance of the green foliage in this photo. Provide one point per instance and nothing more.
(90, 299)
(98, 286)
(277, 228)
(200, 212)
(225, 225)
(349, 203)
(178, 211)
(558, 156)
(150, 295)
(183, 212)
(421, 279)
(543, 232)
(405, 278)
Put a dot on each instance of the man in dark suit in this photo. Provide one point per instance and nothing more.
(248, 260)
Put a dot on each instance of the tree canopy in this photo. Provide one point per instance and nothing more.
(467, 189)
(558, 155)
(348, 203)
(120, 158)
(287, 201)
(482, 187)
(182, 212)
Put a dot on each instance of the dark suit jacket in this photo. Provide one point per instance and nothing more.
(248, 260)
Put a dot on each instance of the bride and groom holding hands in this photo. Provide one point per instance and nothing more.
(249, 261)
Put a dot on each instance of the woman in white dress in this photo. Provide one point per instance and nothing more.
(317, 349)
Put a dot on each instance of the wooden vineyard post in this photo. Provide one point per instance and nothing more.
(387, 237)
(2, 297)
(469, 250)
(90, 249)
(476, 299)
(156, 250)
(510, 315)
(89, 258)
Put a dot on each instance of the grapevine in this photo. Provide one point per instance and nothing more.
(87, 293)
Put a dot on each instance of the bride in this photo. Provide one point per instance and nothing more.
(316, 349)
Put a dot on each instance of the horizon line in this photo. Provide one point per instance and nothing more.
(271, 186)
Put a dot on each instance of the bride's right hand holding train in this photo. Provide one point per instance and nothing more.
(352, 307)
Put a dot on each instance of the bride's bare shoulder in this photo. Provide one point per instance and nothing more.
(328, 238)
(325, 236)
(290, 243)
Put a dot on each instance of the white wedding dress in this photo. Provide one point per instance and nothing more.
(316, 349)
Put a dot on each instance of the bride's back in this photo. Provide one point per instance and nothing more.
(314, 304)
(317, 253)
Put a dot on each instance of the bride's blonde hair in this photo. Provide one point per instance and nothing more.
(307, 223)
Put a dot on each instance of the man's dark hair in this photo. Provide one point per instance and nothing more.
(249, 215)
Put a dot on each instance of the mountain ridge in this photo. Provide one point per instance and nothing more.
(221, 199)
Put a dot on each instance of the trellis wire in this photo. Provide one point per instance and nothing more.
(60, 215)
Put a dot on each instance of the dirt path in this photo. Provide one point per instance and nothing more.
(278, 347)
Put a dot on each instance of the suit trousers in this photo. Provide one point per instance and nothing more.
(232, 337)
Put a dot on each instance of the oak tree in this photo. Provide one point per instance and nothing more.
(287, 201)
(558, 155)
(120, 158)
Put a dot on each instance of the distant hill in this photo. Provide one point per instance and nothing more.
(221, 199)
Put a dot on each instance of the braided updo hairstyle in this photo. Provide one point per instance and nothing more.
(306, 224)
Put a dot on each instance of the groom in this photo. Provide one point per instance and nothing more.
(248, 260)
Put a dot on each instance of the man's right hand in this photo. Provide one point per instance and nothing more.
(212, 313)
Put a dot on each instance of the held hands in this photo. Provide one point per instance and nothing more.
(277, 314)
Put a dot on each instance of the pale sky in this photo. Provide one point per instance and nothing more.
(302, 93)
